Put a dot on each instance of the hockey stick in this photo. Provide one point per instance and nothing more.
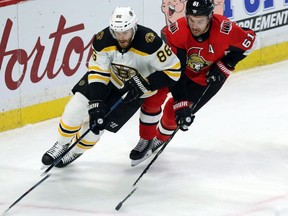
(156, 156)
(81, 137)
(58, 160)
(147, 168)
(23, 195)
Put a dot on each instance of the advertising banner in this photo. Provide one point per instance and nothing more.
(45, 45)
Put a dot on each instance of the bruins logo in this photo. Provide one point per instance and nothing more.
(123, 72)
(149, 37)
(99, 36)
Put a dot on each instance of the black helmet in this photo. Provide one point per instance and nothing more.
(199, 7)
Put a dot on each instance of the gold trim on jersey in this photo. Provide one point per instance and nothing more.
(98, 78)
(108, 49)
(177, 66)
(175, 75)
(96, 68)
(138, 52)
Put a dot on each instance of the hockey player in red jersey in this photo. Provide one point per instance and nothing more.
(126, 57)
(209, 46)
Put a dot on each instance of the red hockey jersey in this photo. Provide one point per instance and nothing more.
(225, 38)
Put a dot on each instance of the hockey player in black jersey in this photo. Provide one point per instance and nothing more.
(126, 57)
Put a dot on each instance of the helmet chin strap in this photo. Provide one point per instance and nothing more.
(133, 35)
(134, 32)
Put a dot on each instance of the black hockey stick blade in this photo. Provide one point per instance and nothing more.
(28, 191)
(121, 203)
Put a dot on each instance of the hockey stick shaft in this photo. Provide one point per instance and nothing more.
(156, 156)
(167, 142)
(158, 153)
(81, 137)
(121, 203)
(28, 191)
(146, 169)
(51, 166)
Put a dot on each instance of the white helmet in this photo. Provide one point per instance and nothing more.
(122, 19)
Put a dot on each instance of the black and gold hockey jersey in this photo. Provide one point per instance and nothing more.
(147, 55)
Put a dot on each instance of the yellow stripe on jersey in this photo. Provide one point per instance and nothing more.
(95, 68)
(175, 75)
(113, 48)
(138, 52)
(109, 49)
(177, 66)
(98, 78)
(172, 74)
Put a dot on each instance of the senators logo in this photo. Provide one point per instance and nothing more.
(195, 61)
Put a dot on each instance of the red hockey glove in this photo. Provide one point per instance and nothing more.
(183, 114)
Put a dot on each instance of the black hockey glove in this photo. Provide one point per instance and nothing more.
(183, 114)
(136, 86)
(97, 112)
(218, 73)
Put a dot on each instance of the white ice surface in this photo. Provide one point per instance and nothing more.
(232, 162)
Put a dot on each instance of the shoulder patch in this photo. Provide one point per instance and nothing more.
(103, 39)
(99, 35)
(226, 27)
(173, 27)
(149, 37)
(146, 40)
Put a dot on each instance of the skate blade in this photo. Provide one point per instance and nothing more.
(136, 162)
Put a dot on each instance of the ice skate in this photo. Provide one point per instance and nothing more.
(141, 151)
(156, 144)
(54, 152)
(68, 158)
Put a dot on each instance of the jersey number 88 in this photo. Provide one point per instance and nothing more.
(163, 54)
